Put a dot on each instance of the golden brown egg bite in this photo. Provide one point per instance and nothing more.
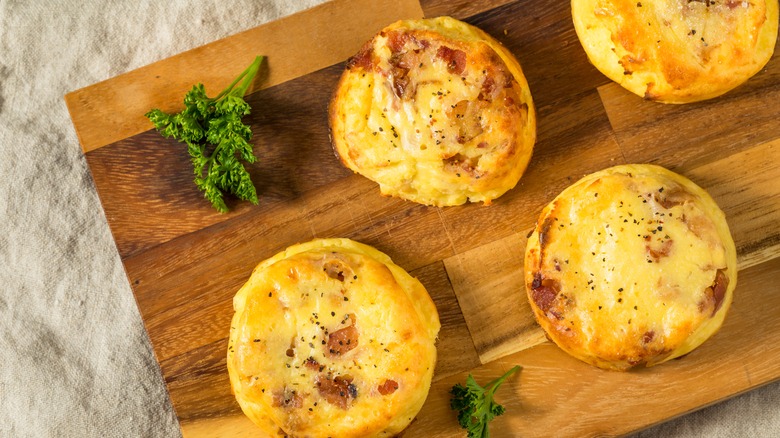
(630, 265)
(331, 339)
(677, 51)
(435, 111)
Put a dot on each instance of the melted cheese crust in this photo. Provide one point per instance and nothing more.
(331, 339)
(436, 111)
(677, 51)
(633, 264)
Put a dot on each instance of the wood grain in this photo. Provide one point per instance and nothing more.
(185, 262)
(460, 9)
(679, 136)
(454, 336)
(495, 270)
(745, 184)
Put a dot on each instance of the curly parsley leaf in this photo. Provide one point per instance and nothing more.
(216, 138)
(475, 405)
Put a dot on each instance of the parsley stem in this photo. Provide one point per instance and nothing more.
(250, 73)
(247, 76)
(493, 386)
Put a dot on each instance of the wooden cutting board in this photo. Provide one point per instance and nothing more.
(185, 261)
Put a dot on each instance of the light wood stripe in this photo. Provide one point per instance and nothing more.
(488, 281)
(745, 187)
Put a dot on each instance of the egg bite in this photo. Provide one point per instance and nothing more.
(677, 51)
(330, 338)
(435, 111)
(631, 265)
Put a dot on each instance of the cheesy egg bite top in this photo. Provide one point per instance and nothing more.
(331, 339)
(677, 51)
(630, 265)
(436, 111)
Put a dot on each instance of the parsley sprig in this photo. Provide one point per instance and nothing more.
(216, 138)
(475, 405)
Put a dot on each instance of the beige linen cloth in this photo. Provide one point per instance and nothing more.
(74, 358)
